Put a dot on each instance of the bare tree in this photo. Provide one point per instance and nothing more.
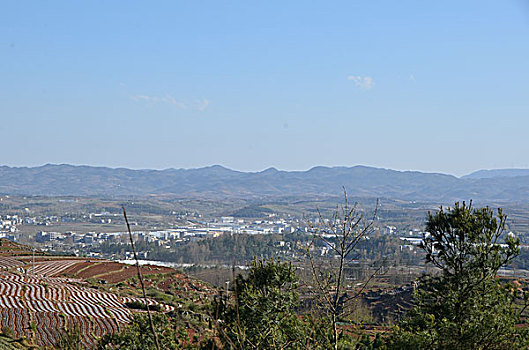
(330, 255)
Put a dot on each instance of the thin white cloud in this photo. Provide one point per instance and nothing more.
(201, 104)
(365, 83)
(167, 99)
(198, 105)
(412, 77)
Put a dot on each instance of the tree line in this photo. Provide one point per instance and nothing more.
(461, 303)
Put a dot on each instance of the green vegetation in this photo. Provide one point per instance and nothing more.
(263, 315)
(284, 301)
(8, 340)
(252, 211)
(459, 304)
(241, 248)
(137, 336)
(70, 339)
(465, 306)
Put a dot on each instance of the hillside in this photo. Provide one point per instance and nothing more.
(98, 296)
(9, 248)
(495, 173)
(219, 182)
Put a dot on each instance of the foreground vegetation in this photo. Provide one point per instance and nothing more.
(334, 288)
(460, 304)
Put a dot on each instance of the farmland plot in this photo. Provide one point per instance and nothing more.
(51, 268)
(7, 262)
(54, 303)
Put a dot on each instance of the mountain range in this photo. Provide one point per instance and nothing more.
(219, 182)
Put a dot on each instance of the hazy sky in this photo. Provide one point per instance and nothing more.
(424, 85)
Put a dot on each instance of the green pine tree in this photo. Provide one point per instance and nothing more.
(463, 305)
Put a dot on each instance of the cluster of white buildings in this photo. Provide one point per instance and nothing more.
(8, 226)
(410, 241)
(258, 227)
(168, 237)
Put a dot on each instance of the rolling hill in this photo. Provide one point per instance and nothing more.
(219, 182)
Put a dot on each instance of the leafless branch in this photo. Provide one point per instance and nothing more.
(141, 280)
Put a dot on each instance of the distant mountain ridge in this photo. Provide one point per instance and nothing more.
(494, 173)
(220, 182)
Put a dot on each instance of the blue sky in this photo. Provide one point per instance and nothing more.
(433, 86)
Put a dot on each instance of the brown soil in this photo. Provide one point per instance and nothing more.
(166, 284)
(130, 271)
(72, 270)
(98, 269)
(9, 248)
(183, 281)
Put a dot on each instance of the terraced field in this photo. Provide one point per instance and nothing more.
(7, 263)
(36, 295)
